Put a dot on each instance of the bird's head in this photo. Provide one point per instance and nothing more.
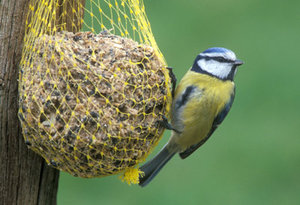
(218, 62)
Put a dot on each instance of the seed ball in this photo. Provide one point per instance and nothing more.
(91, 104)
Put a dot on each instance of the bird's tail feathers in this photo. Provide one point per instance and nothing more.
(152, 167)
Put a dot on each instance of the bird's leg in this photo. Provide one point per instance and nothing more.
(173, 80)
(167, 125)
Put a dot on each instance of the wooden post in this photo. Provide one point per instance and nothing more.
(25, 178)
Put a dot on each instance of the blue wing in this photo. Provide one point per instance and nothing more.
(217, 121)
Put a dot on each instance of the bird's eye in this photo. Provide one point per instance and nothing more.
(220, 59)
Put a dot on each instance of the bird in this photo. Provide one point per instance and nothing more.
(202, 100)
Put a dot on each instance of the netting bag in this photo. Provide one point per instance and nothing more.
(93, 86)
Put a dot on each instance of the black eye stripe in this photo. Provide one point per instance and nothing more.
(216, 58)
(220, 59)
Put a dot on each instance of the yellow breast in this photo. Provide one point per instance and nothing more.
(196, 117)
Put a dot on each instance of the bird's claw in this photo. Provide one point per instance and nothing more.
(173, 80)
(167, 125)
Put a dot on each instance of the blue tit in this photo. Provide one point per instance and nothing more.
(202, 100)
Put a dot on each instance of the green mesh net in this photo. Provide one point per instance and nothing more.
(93, 86)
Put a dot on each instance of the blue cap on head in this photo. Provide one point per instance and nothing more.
(216, 50)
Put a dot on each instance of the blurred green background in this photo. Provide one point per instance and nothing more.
(254, 156)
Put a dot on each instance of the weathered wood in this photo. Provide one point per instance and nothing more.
(24, 176)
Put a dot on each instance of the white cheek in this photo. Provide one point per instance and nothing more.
(215, 68)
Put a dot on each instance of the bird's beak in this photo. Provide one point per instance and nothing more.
(238, 62)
